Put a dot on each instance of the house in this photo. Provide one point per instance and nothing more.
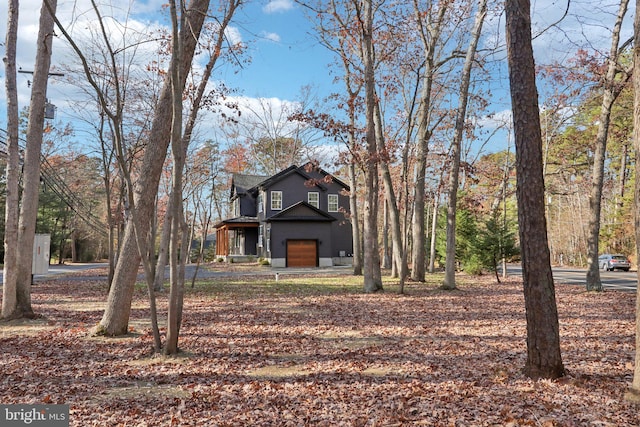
(295, 218)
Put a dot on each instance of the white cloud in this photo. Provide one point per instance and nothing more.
(233, 34)
(274, 37)
(275, 108)
(499, 119)
(276, 6)
(129, 28)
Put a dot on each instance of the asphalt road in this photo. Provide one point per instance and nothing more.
(615, 280)
(60, 270)
(57, 270)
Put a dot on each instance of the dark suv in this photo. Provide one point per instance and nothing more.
(610, 262)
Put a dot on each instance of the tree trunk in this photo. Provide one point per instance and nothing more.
(355, 220)
(543, 335)
(176, 252)
(386, 253)
(73, 243)
(430, 36)
(177, 280)
(9, 289)
(163, 248)
(115, 319)
(31, 165)
(398, 259)
(623, 177)
(372, 273)
(634, 391)
(611, 91)
(180, 238)
(106, 159)
(418, 227)
(434, 223)
(461, 114)
(203, 243)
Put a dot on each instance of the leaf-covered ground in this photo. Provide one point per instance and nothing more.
(315, 351)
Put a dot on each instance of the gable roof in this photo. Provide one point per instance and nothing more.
(301, 211)
(300, 170)
(325, 173)
(278, 177)
(242, 183)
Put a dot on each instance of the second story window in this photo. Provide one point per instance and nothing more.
(333, 203)
(314, 199)
(276, 200)
(235, 207)
(260, 204)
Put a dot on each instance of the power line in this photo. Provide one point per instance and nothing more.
(60, 188)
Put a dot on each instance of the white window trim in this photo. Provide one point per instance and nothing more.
(317, 200)
(276, 208)
(337, 204)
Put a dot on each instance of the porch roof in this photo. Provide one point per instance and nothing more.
(238, 222)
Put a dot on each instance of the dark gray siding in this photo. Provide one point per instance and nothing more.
(335, 237)
(247, 205)
(251, 241)
(293, 191)
(341, 228)
(342, 239)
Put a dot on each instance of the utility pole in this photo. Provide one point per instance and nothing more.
(49, 108)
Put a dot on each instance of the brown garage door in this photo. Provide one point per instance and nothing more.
(302, 253)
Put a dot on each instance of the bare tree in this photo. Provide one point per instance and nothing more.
(430, 27)
(634, 392)
(205, 177)
(115, 319)
(275, 139)
(371, 271)
(19, 305)
(612, 89)
(399, 258)
(461, 114)
(179, 242)
(331, 27)
(543, 332)
(10, 308)
(178, 153)
(124, 98)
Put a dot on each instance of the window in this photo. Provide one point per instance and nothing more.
(238, 242)
(260, 204)
(268, 239)
(260, 231)
(314, 199)
(235, 207)
(333, 203)
(276, 200)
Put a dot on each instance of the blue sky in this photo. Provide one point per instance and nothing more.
(286, 56)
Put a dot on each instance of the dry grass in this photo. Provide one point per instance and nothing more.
(309, 350)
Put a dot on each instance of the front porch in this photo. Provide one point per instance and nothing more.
(237, 239)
